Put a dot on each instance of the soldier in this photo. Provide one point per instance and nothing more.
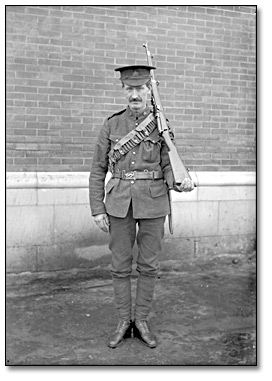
(136, 196)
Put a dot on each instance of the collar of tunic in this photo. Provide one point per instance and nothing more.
(136, 116)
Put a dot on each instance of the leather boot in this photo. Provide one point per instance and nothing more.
(122, 331)
(142, 331)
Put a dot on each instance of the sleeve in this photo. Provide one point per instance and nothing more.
(99, 170)
(165, 162)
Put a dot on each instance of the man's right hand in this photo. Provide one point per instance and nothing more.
(102, 221)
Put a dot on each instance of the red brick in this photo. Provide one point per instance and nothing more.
(49, 161)
(61, 83)
(25, 89)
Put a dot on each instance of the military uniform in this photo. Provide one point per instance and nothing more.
(130, 202)
(149, 197)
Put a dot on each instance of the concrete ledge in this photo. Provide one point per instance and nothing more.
(50, 227)
(22, 180)
(224, 178)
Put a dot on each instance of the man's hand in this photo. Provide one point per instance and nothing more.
(187, 185)
(102, 221)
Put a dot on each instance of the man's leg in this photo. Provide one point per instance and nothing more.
(122, 239)
(149, 239)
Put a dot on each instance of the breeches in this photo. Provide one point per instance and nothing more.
(124, 233)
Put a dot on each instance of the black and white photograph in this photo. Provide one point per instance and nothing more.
(131, 202)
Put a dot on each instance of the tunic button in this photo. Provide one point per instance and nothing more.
(132, 182)
(136, 124)
(116, 140)
(134, 153)
(133, 162)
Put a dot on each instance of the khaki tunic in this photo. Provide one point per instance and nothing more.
(149, 197)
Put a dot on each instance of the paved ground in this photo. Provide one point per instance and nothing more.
(204, 314)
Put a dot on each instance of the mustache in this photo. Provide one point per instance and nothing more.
(135, 99)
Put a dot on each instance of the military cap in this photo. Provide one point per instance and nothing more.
(135, 75)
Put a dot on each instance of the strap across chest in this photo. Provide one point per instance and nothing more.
(131, 140)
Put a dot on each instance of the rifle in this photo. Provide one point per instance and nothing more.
(179, 171)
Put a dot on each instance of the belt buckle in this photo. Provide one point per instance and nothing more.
(129, 175)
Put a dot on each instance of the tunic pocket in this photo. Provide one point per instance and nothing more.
(158, 188)
(114, 139)
(151, 148)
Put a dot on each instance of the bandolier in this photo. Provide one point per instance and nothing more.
(131, 140)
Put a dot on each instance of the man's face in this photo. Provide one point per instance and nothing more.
(136, 96)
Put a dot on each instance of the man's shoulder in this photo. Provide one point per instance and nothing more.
(117, 114)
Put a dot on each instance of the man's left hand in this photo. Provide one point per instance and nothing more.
(187, 185)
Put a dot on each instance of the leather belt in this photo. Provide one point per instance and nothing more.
(138, 175)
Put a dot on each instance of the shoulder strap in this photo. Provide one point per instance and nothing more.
(131, 140)
(117, 113)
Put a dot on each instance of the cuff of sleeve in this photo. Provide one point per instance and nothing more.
(176, 189)
(169, 178)
(98, 210)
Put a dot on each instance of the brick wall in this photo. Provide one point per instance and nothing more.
(61, 84)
